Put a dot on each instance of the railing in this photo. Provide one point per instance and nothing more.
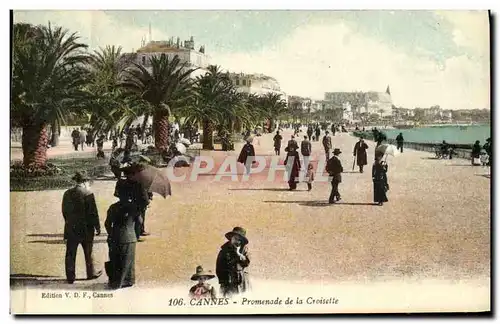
(462, 151)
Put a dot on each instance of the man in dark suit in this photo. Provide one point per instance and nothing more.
(306, 149)
(292, 143)
(335, 169)
(81, 220)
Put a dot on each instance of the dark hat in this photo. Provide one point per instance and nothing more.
(202, 273)
(239, 231)
(80, 177)
(336, 151)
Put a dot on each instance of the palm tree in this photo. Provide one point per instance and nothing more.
(274, 107)
(165, 86)
(215, 99)
(112, 108)
(48, 75)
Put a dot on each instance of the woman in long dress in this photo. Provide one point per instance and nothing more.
(379, 177)
(121, 222)
(292, 162)
(247, 155)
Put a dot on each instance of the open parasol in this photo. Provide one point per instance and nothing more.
(181, 148)
(185, 141)
(153, 180)
(387, 149)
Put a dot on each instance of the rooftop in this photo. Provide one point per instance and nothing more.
(162, 47)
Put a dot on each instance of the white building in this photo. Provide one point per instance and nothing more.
(300, 102)
(258, 84)
(347, 112)
(316, 105)
(447, 115)
(185, 51)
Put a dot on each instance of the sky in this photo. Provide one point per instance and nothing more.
(426, 57)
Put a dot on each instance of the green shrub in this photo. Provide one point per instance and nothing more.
(56, 175)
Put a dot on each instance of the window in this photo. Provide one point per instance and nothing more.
(244, 82)
(237, 82)
(144, 60)
(249, 83)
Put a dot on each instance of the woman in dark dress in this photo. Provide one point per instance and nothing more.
(476, 152)
(379, 177)
(121, 222)
(247, 155)
(292, 169)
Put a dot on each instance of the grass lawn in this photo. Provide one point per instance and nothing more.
(68, 167)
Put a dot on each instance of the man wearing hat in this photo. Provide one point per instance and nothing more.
(327, 144)
(232, 261)
(335, 169)
(202, 289)
(292, 143)
(81, 220)
(277, 142)
(359, 153)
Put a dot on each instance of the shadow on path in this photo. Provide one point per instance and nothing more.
(46, 235)
(317, 203)
(264, 189)
(96, 241)
(19, 281)
(488, 176)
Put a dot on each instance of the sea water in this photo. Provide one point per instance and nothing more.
(452, 134)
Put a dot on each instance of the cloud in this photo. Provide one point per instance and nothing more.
(317, 58)
(95, 27)
(321, 58)
(471, 30)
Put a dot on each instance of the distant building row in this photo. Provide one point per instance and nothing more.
(350, 105)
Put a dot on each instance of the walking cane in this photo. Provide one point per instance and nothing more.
(354, 163)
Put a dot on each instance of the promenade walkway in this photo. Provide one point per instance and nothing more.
(436, 225)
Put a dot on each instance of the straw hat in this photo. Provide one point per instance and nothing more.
(200, 272)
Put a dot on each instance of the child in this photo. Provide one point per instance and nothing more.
(309, 176)
(202, 289)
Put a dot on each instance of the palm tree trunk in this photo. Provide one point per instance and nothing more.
(237, 126)
(34, 143)
(271, 125)
(55, 130)
(208, 135)
(161, 131)
(143, 127)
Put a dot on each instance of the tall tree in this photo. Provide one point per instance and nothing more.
(166, 85)
(48, 75)
(274, 106)
(215, 99)
(111, 108)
